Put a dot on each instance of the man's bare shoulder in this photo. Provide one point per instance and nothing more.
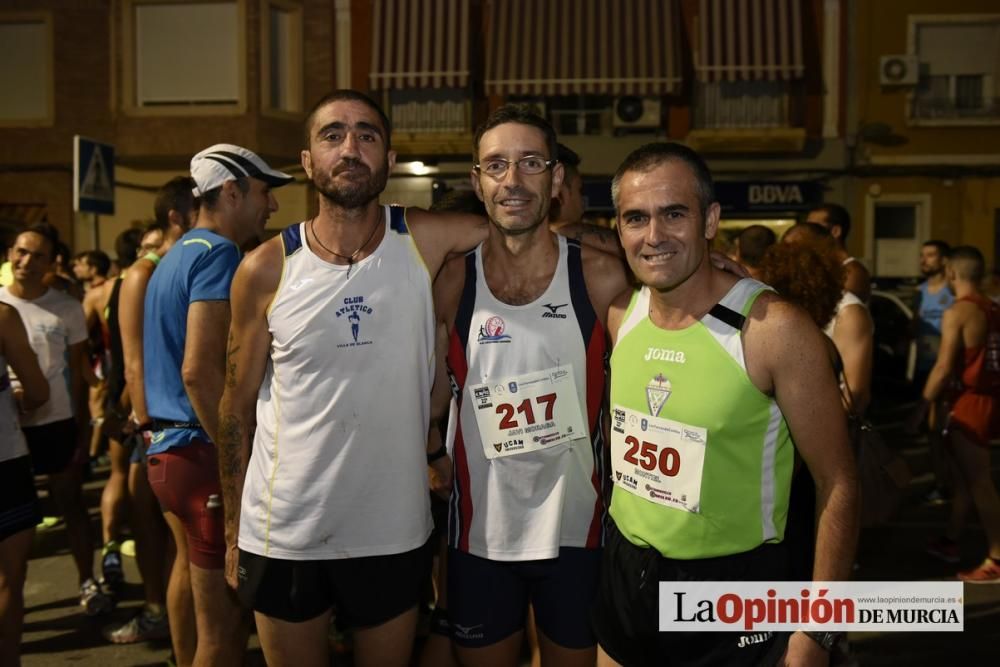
(773, 315)
(93, 297)
(262, 266)
(960, 313)
(138, 275)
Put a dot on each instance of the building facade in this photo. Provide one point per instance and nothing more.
(888, 108)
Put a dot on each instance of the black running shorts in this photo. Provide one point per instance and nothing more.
(626, 615)
(364, 592)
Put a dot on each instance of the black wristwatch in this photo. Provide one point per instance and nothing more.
(826, 640)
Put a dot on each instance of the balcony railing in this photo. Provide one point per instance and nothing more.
(944, 108)
(734, 105)
(431, 117)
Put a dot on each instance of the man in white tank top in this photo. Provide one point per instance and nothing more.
(329, 371)
(837, 220)
(525, 314)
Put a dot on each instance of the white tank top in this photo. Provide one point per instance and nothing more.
(12, 444)
(846, 299)
(524, 506)
(338, 468)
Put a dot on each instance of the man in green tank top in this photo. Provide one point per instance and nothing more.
(716, 383)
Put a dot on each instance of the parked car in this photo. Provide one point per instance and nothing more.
(895, 353)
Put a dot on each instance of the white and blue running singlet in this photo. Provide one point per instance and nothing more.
(338, 468)
(528, 452)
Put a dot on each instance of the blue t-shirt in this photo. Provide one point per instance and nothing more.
(200, 267)
(930, 310)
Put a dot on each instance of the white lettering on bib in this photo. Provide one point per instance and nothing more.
(658, 459)
(528, 412)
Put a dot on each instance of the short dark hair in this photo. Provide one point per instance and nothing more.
(98, 259)
(210, 199)
(814, 229)
(569, 159)
(349, 95)
(153, 226)
(62, 250)
(837, 216)
(754, 242)
(174, 195)
(523, 115)
(651, 156)
(943, 247)
(51, 235)
(127, 246)
(967, 262)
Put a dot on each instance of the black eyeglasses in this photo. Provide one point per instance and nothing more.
(529, 165)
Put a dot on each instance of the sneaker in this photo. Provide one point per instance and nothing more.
(988, 572)
(128, 548)
(92, 600)
(47, 522)
(144, 626)
(943, 549)
(112, 576)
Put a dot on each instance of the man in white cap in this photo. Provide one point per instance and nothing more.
(184, 338)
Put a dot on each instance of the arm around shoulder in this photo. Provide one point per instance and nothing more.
(440, 235)
(605, 278)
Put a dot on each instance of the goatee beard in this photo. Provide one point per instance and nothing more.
(356, 196)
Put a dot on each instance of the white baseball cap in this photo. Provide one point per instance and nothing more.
(226, 162)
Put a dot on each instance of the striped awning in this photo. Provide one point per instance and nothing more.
(743, 40)
(571, 47)
(420, 44)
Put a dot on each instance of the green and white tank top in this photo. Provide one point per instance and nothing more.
(701, 458)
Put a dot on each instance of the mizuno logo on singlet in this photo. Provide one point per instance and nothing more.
(660, 354)
(554, 310)
(300, 283)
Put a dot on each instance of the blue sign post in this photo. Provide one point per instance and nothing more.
(93, 179)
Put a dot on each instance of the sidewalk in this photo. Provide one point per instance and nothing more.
(56, 632)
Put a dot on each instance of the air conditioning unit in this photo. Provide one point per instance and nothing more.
(901, 70)
(636, 113)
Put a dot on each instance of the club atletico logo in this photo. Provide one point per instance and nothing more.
(492, 331)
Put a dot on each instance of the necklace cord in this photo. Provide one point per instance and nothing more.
(349, 258)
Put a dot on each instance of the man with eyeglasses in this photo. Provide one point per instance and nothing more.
(525, 314)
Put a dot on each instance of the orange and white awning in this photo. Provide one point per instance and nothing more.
(571, 47)
(745, 40)
(420, 44)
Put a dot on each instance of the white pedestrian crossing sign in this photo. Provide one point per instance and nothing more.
(93, 176)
